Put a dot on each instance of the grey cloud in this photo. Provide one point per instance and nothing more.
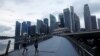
(95, 7)
(56, 12)
(21, 1)
(60, 2)
(8, 9)
(4, 28)
(79, 7)
(29, 13)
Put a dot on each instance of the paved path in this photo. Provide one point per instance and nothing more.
(56, 46)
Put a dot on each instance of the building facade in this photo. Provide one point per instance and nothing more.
(52, 23)
(77, 23)
(87, 18)
(28, 28)
(46, 23)
(67, 19)
(72, 18)
(24, 28)
(39, 24)
(33, 30)
(17, 34)
(61, 18)
(99, 23)
(93, 22)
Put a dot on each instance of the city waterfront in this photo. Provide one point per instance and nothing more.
(3, 45)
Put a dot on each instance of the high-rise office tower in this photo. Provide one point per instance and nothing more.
(39, 24)
(52, 23)
(46, 25)
(17, 29)
(17, 34)
(46, 21)
(72, 19)
(28, 28)
(24, 28)
(67, 19)
(61, 18)
(43, 29)
(32, 30)
(77, 23)
(99, 23)
(93, 22)
(87, 17)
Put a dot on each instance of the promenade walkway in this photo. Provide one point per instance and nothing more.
(55, 46)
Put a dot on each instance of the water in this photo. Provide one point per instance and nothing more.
(3, 45)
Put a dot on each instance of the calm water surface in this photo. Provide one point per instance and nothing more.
(3, 45)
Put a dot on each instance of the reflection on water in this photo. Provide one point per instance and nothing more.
(3, 45)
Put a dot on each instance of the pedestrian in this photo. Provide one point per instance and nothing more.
(24, 44)
(36, 44)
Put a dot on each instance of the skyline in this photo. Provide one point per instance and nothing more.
(20, 10)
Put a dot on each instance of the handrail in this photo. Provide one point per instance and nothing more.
(80, 47)
(28, 39)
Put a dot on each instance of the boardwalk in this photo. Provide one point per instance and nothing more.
(56, 46)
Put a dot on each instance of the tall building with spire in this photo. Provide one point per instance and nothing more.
(87, 17)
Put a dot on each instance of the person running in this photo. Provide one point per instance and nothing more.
(24, 44)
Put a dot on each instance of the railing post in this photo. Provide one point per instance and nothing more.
(7, 49)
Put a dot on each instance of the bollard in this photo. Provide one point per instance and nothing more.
(7, 49)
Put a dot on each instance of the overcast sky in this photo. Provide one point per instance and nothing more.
(21, 10)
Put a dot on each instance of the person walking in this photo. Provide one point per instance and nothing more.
(24, 43)
(36, 44)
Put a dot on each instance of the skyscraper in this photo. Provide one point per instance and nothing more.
(99, 23)
(39, 24)
(77, 23)
(43, 29)
(24, 28)
(32, 30)
(61, 18)
(17, 34)
(17, 29)
(93, 22)
(28, 28)
(52, 23)
(46, 25)
(67, 18)
(46, 21)
(72, 19)
(87, 17)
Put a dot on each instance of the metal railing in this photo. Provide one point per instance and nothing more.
(80, 49)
